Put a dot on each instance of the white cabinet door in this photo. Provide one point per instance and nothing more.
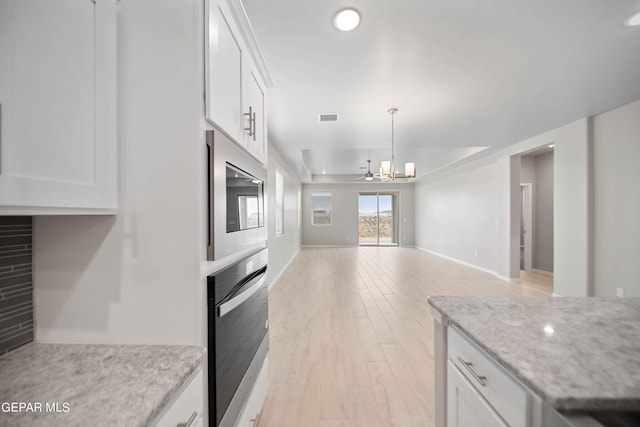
(224, 65)
(253, 406)
(465, 406)
(235, 77)
(186, 408)
(499, 389)
(57, 96)
(255, 101)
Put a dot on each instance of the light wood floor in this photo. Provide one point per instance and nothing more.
(537, 280)
(352, 335)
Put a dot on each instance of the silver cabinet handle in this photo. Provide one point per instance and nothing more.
(480, 378)
(251, 116)
(190, 421)
(0, 138)
(253, 120)
(237, 300)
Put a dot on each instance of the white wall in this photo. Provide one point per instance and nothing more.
(528, 170)
(475, 207)
(134, 277)
(457, 216)
(344, 228)
(472, 214)
(543, 214)
(284, 247)
(616, 147)
(572, 203)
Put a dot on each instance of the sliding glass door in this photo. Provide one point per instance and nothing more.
(378, 219)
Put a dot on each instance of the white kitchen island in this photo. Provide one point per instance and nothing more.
(536, 362)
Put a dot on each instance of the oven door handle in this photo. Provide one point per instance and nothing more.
(228, 306)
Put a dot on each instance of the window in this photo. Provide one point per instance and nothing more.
(321, 208)
(279, 203)
(299, 208)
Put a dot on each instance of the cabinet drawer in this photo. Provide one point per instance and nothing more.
(187, 407)
(252, 408)
(502, 392)
(466, 406)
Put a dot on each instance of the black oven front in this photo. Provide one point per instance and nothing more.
(238, 335)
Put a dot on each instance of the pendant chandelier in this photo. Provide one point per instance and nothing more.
(388, 168)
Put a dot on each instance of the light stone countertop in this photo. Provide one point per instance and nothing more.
(104, 385)
(578, 354)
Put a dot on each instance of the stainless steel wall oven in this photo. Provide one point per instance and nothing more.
(238, 335)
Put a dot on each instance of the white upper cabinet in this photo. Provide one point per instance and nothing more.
(224, 73)
(236, 77)
(58, 106)
(256, 121)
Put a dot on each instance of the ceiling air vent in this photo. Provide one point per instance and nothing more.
(328, 118)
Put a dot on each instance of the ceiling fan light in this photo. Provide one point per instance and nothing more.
(368, 178)
(410, 170)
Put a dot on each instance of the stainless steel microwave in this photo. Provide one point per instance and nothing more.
(236, 198)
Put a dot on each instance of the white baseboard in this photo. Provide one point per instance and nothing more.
(556, 295)
(329, 246)
(468, 264)
(507, 279)
(277, 278)
(543, 272)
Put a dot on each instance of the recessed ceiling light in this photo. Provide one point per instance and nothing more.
(551, 145)
(346, 20)
(634, 21)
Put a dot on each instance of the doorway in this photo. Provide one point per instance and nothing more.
(378, 219)
(536, 217)
(526, 227)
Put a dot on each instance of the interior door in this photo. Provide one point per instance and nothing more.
(526, 227)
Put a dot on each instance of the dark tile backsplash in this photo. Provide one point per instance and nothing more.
(16, 282)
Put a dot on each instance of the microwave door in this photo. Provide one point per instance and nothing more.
(236, 210)
(248, 212)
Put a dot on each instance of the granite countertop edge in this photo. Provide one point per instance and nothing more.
(64, 370)
(171, 394)
(565, 404)
(495, 356)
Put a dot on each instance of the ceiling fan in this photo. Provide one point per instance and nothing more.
(369, 176)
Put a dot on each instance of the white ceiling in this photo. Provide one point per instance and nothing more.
(463, 73)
